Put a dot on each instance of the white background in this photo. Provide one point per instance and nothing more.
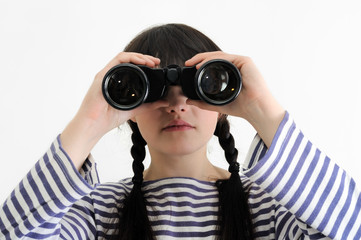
(308, 51)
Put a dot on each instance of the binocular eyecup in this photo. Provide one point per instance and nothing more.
(126, 86)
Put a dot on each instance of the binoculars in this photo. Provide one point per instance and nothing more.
(126, 86)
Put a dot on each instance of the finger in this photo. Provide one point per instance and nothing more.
(201, 58)
(124, 58)
(198, 64)
(135, 58)
(201, 63)
(146, 60)
(139, 60)
(195, 59)
(154, 59)
(142, 60)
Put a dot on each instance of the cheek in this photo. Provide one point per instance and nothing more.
(147, 129)
(145, 125)
(208, 122)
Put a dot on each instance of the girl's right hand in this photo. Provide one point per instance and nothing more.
(96, 117)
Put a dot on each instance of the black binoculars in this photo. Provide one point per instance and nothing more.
(126, 86)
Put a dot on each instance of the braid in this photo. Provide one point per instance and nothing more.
(138, 153)
(134, 222)
(234, 215)
(226, 141)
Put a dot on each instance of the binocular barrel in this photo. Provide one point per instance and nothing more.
(126, 85)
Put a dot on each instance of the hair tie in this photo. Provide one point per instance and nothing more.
(233, 167)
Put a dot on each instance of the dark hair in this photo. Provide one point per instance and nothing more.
(174, 44)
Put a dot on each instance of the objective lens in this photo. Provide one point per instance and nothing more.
(214, 80)
(125, 87)
(218, 82)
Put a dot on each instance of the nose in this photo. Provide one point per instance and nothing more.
(176, 99)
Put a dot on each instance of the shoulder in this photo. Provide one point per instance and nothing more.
(258, 198)
(111, 192)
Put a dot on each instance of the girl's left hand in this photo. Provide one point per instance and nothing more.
(255, 102)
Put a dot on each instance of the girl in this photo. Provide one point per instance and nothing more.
(288, 188)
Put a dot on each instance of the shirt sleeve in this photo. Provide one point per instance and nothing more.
(320, 196)
(35, 208)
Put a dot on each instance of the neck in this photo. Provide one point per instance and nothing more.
(195, 165)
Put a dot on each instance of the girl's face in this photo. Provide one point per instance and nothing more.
(179, 129)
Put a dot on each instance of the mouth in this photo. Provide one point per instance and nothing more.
(178, 125)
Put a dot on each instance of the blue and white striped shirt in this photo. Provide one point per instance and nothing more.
(295, 192)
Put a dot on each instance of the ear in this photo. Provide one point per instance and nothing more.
(133, 119)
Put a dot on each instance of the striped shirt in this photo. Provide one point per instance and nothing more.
(295, 192)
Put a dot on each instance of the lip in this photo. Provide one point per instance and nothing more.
(177, 125)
